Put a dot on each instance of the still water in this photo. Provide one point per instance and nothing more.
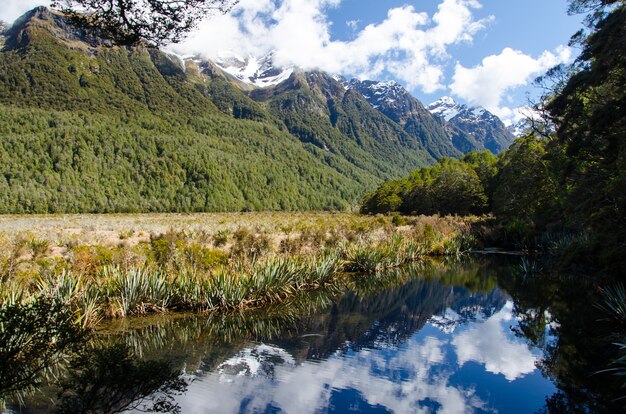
(436, 338)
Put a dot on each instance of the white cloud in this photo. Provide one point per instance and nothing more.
(12, 9)
(487, 343)
(487, 84)
(408, 45)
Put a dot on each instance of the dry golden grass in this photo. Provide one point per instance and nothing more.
(153, 262)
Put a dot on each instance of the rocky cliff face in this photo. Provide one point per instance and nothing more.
(394, 101)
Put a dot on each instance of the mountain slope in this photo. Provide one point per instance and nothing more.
(102, 129)
(322, 113)
(471, 128)
(86, 127)
(400, 106)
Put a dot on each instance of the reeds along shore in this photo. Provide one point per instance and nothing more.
(198, 270)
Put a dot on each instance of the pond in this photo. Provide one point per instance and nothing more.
(455, 337)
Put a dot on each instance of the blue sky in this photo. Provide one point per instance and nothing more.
(531, 26)
(481, 52)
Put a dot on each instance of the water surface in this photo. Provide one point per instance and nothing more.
(443, 341)
(435, 338)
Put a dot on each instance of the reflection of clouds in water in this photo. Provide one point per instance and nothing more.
(488, 344)
(398, 383)
(257, 361)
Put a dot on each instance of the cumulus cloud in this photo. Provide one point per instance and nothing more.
(488, 83)
(408, 45)
(12, 9)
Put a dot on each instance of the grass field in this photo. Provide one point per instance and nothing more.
(119, 265)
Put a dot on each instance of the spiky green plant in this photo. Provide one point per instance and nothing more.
(613, 304)
(321, 271)
(129, 287)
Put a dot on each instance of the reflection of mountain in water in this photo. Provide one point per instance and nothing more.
(386, 319)
(464, 308)
(314, 331)
(381, 320)
(255, 361)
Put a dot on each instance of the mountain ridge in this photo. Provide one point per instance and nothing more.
(482, 129)
(88, 127)
(91, 127)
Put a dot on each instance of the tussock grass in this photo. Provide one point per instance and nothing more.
(210, 263)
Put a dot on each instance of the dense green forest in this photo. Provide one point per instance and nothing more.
(87, 127)
(570, 183)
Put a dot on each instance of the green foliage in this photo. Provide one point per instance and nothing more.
(525, 188)
(450, 187)
(590, 112)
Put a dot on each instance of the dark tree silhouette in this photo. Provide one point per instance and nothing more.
(128, 22)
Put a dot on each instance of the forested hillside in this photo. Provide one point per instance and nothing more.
(89, 127)
(566, 189)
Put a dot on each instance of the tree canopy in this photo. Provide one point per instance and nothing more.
(572, 180)
(128, 22)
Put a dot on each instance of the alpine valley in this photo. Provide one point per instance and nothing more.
(90, 127)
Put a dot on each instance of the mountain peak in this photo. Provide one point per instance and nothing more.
(482, 126)
(379, 93)
(445, 100)
(253, 70)
(56, 23)
(446, 108)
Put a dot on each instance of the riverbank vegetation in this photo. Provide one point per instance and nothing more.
(113, 273)
(563, 184)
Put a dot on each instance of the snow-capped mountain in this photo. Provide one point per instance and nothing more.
(520, 128)
(450, 110)
(394, 101)
(468, 308)
(445, 129)
(481, 126)
(445, 108)
(387, 94)
(252, 70)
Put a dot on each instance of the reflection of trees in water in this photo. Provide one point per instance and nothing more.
(381, 310)
(557, 314)
(386, 308)
(111, 379)
(40, 343)
(33, 337)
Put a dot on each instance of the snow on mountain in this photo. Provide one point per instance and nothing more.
(472, 308)
(445, 107)
(483, 127)
(378, 93)
(449, 109)
(520, 128)
(257, 71)
(254, 361)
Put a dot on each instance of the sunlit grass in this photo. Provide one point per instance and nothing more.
(121, 265)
